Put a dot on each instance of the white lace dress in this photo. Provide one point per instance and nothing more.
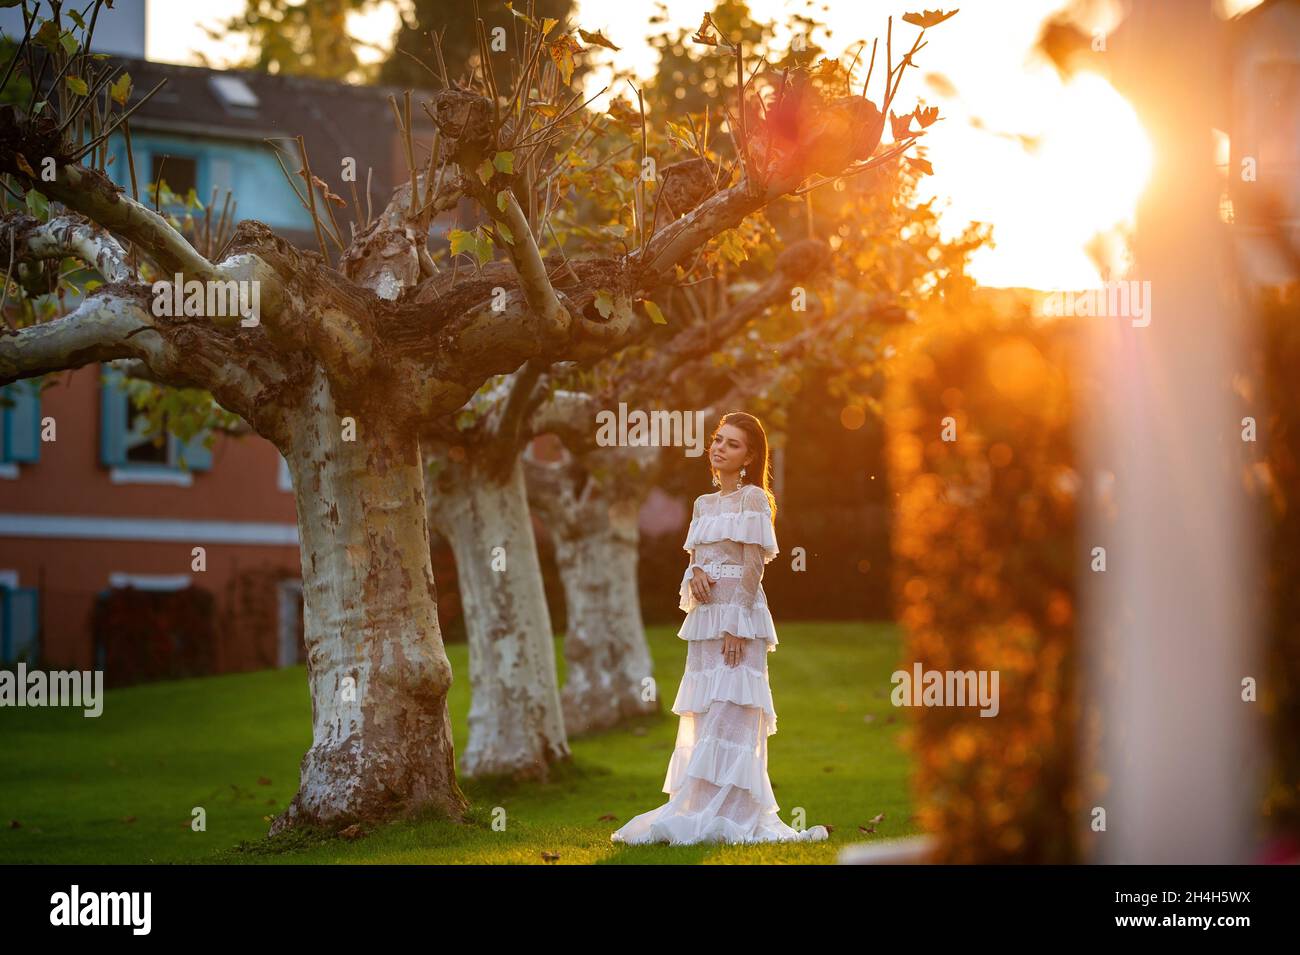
(717, 778)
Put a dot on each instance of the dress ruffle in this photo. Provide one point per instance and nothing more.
(744, 527)
(731, 684)
(691, 829)
(722, 763)
(710, 621)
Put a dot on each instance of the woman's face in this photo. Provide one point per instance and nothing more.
(729, 450)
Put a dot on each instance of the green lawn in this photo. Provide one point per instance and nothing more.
(121, 788)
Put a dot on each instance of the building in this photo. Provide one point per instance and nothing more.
(94, 516)
(100, 508)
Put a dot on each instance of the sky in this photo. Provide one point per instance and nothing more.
(1051, 164)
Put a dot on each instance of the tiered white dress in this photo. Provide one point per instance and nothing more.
(717, 778)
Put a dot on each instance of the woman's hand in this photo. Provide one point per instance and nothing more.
(700, 585)
(733, 649)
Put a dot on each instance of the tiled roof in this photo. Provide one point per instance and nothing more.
(334, 119)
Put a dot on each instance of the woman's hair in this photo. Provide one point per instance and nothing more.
(757, 471)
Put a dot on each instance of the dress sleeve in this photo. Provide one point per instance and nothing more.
(695, 513)
(754, 554)
(685, 600)
(752, 560)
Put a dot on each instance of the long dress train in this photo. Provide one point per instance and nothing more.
(717, 778)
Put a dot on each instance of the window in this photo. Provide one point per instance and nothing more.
(132, 456)
(141, 449)
(233, 92)
(20, 424)
(180, 173)
(19, 621)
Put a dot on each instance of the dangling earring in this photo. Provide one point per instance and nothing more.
(716, 482)
(742, 474)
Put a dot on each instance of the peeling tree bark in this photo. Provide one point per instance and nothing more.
(381, 735)
(515, 720)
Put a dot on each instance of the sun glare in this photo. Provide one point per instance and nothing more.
(1055, 167)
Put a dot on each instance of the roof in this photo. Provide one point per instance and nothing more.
(334, 119)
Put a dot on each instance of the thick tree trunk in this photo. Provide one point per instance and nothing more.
(606, 659)
(381, 735)
(515, 721)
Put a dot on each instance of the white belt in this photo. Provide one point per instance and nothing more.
(723, 570)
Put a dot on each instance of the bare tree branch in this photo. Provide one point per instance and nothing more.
(114, 322)
(95, 196)
(66, 236)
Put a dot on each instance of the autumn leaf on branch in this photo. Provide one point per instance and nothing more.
(928, 19)
(523, 16)
(705, 33)
(120, 90)
(325, 191)
(596, 39)
(900, 125)
(561, 51)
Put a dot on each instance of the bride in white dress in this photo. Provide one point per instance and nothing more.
(717, 779)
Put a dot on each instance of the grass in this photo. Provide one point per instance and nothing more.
(121, 788)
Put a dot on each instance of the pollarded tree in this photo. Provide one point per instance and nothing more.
(344, 367)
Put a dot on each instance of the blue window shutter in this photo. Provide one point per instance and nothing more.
(22, 426)
(112, 419)
(20, 624)
(193, 454)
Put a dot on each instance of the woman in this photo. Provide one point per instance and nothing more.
(717, 777)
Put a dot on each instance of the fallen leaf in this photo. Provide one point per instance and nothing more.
(351, 832)
(263, 781)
